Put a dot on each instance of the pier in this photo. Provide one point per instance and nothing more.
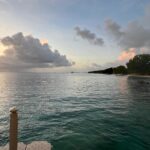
(13, 137)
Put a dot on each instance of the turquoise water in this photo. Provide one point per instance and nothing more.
(78, 111)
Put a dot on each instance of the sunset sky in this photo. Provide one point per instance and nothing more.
(72, 35)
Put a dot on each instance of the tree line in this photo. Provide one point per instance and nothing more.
(140, 64)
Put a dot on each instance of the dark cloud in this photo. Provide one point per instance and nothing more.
(27, 52)
(113, 29)
(133, 36)
(89, 36)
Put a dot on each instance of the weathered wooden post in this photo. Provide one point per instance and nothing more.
(13, 131)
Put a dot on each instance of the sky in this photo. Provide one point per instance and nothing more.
(72, 35)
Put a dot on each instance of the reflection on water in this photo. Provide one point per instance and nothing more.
(139, 84)
(78, 111)
(123, 84)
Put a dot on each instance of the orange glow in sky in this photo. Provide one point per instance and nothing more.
(126, 55)
(44, 41)
(2, 49)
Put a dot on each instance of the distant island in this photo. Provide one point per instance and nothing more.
(140, 65)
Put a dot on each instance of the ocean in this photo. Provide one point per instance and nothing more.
(78, 111)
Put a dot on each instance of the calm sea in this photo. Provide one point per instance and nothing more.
(78, 111)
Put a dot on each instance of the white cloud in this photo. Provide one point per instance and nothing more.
(25, 52)
(126, 55)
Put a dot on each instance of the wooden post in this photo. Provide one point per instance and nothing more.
(13, 131)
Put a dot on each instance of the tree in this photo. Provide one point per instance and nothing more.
(140, 64)
(120, 70)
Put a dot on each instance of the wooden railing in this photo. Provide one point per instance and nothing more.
(13, 133)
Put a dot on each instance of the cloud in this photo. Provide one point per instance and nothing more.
(95, 65)
(133, 36)
(44, 41)
(89, 36)
(23, 52)
(113, 29)
(133, 39)
(126, 55)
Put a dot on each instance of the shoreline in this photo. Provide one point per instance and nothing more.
(138, 75)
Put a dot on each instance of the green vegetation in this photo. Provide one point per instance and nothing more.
(140, 64)
(120, 70)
